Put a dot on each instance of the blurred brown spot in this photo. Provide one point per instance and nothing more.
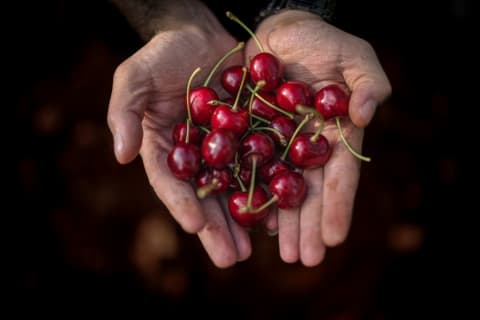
(448, 171)
(86, 134)
(406, 237)
(48, 120)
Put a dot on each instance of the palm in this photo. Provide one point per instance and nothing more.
(147, 101)
(318, 54)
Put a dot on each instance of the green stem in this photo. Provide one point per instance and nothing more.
(205, 190)
(204, 129)
(239, 47)
(265, 205)
(231, 16)
(260, 119)
(187, 138)
(274, 107)
(305, 120)
(252, 183)
(189, 85)
(321, 125)
(349, 147)
(239, 93)
(240, 182)
(281, 137)
(258, 86)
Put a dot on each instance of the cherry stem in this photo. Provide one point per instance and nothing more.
(274, 107)
(239, 47)
(231, 16)
(321, 125)
(189, 113)
(240, 182)
(302, 109)
(305, 120)
(242, 83)
(252, 183)
(283, 140)
(349, 147)
(265, 205)
(204, 129)
(218, 103)
(258, 86)
(205, 190)
(259, 119)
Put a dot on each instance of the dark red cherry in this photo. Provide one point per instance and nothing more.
(292, 93)
(238, 201)
(184, 160)
(290, 189)
(331, 101)
(285, 126)
(231, 79)
(245, 175)
(219, 147)
(263, 110)
(256, 144)
(200, 109)
(226, 118)
(180, 133)
(307, 154)
(271, 169)
(223, 178)
(265, 66)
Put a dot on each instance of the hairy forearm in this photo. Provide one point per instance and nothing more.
(148, 17)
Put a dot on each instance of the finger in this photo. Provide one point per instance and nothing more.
(369, 84)
(288, 234)
(240, 235)
(312, 248)
(271, 223)
(341, 174)
(127, 104)
(216, 237)
(177, 195)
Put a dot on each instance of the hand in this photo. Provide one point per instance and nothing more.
(147, 100)
(319, 54)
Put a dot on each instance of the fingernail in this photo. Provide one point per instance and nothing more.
(367, 110)
(272, 233)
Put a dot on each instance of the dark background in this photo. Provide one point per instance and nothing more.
(84, 232)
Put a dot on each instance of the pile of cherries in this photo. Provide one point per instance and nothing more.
(251, 144)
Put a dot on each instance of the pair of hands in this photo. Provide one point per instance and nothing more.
(147, 101)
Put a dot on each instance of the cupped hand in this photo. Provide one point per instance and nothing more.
(147, 100)
(319, 54)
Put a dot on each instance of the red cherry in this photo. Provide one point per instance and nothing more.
(292, 93)
(245, 175)
(256, 144)
(331, 101)
(226, 118)
(271, 169)
(285, 126)
(206, 177)
(261, 109)
(238, 202)
(200, 109)
(231, 79)
(290, 189)
(219, 147)
(265, 66)
(180, 133)
(184, 160)
(307, 154)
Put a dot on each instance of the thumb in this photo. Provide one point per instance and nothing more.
(128, 101)
(370, 87)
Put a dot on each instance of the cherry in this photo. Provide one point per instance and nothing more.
(219, 147)
(184, 160)
(285, 126)
(245, 176)
(256, 145)
(289, 189)
(180, 133)
(200, 109)
(308, 153)
(261, 109)
(234, 119)
(214, 181)
(231, 79)
(331, 101)
(271, 169)
(238, 202)
(265, 66)
(293, 93)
